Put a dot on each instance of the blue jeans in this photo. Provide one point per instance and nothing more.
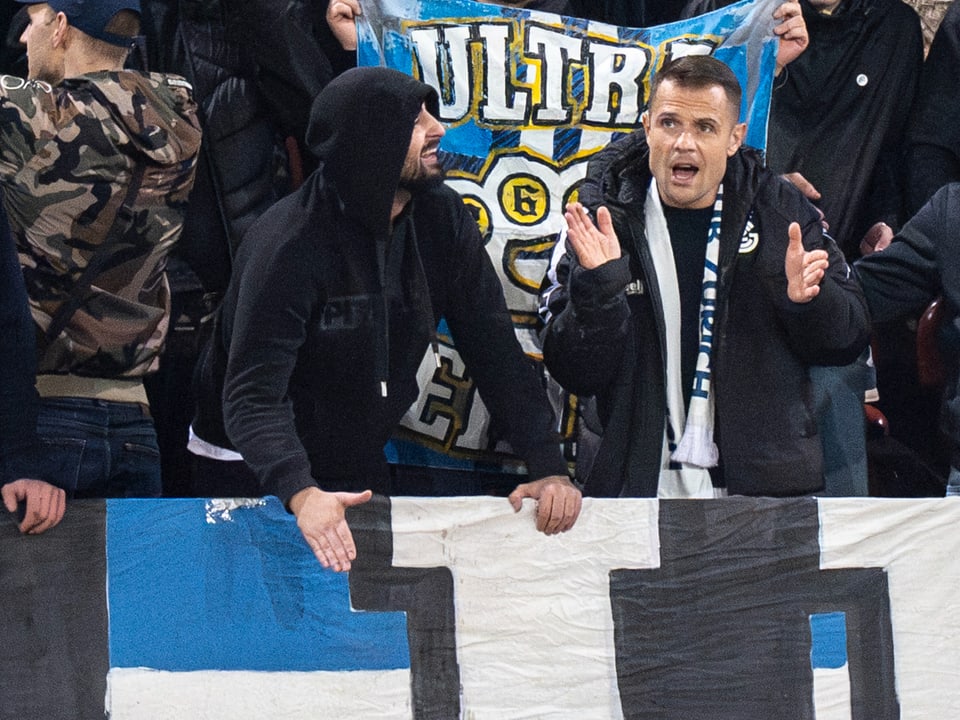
(838, 395)
(96, 448)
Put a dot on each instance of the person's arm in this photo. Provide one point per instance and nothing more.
(814, 291)
(277, 292)
(510, 385)
(584, 307)
(43, 504)
(903, 278)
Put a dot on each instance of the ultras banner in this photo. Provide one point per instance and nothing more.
(527, 98)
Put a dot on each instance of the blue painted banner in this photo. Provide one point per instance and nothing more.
(719, 609)
(527, 99)
(223, 569)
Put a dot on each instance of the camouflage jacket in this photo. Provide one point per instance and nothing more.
(67, 156)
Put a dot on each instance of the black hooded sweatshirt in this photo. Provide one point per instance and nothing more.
(331, 309)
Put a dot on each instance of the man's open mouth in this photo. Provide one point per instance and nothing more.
(684, 172)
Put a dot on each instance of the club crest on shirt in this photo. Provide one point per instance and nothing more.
(750, 238)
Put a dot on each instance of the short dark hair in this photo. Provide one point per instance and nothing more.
(698, 72)
(124, 24)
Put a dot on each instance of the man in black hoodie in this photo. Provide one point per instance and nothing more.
(336, 294)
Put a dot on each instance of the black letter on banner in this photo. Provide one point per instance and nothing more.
(425, 594)
(721, 631)
(53, 618)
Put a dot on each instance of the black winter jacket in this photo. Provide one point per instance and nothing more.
(920, 264)
(601, 341)
(239, 169)
(327, 302)
(839, 113)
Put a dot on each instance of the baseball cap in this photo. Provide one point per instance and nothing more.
(92, 16)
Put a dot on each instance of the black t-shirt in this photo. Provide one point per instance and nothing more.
(688, 238)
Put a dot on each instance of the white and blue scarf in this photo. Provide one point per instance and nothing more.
(684, 468)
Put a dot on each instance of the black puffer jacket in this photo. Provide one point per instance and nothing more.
(600, 341)
(242, 167)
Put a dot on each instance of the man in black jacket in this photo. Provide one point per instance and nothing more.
(690, 308)
(920, 264)
(335, 296)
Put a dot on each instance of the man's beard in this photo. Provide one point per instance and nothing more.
(421, 183)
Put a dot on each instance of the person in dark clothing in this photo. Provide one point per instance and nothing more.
(686, 309)
(899, 281)
(933, 135)
(44, 503)
(837, 121)
(242, 169)
(336, 294)
(838, 115)
(294, 51)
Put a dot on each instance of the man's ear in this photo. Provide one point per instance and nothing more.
(60, 30)
(737, 135)
(645, 121)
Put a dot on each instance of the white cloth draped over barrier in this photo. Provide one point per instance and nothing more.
(735, 608)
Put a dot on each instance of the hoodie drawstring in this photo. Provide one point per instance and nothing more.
(382, 353)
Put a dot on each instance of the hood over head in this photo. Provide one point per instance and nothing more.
(360, 129)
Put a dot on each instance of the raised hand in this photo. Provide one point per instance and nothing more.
(792, 31)
(593, 244)
(341, 18)
(804, 268)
